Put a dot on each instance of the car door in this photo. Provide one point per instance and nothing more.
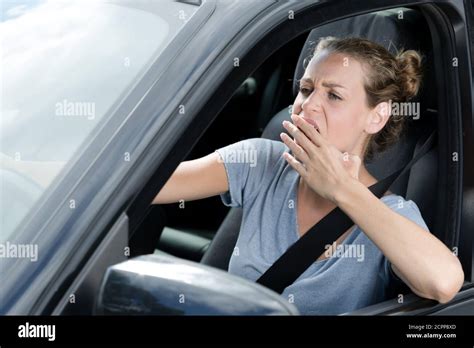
(82, 221)
(79, 128)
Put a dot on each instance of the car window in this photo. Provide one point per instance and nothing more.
(64, 65)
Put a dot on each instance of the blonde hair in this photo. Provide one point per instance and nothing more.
(389, 77)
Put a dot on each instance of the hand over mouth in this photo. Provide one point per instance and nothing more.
(311, 122)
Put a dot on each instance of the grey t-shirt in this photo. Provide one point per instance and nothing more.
(265, 186)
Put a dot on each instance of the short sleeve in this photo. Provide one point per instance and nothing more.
(410, 210)
(248, 163)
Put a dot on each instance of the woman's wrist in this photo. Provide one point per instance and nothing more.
(347, 191)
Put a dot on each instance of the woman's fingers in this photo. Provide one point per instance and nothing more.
(308, 129)
(300, 137)
(297, 150)
(298, 166)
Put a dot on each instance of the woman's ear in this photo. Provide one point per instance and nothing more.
(378, 117)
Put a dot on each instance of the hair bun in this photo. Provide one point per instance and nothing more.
(409, 74)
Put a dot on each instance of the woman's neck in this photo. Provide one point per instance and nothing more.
(315, 200)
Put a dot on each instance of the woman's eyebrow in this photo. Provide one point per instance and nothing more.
(332, 84)
(328, 84)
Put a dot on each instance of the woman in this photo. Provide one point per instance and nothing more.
(341, 117)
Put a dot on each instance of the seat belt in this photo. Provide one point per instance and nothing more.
(302, 253)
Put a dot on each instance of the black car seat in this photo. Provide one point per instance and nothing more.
(397, 28)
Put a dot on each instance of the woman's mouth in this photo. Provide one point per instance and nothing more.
(311, 122)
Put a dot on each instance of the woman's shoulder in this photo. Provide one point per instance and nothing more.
(266, 145)
(407, 208)
(262, 145)
(264, 152)
(248, 163)
(396, 201)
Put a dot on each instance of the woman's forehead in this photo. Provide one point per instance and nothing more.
(334, 68)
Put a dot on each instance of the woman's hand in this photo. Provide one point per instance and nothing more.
(417, 257)
(324, 168)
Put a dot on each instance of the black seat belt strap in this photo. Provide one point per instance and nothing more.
(304, 251)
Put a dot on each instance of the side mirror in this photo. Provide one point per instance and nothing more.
(166, 285)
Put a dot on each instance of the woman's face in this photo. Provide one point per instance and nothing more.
(332, 94)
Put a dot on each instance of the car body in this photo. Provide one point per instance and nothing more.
(99, 201)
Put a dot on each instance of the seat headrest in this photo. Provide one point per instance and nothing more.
(394, 29)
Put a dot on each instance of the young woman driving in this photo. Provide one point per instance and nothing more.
(341, 118)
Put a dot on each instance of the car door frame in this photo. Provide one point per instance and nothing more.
(76, 232)
(148, 128)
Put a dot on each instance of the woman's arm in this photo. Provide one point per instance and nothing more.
(421, 260)
(196, 179)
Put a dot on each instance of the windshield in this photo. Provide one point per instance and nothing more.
(64, 65)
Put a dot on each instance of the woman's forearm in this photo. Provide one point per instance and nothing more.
(200, 178)
(420, 259)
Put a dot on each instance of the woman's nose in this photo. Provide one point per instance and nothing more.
(312, 103)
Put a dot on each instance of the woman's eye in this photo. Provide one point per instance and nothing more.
(305, 91)
(334, 96)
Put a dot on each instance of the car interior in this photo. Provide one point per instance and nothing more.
(206, 231)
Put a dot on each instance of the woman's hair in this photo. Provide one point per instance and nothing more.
(389, 78)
